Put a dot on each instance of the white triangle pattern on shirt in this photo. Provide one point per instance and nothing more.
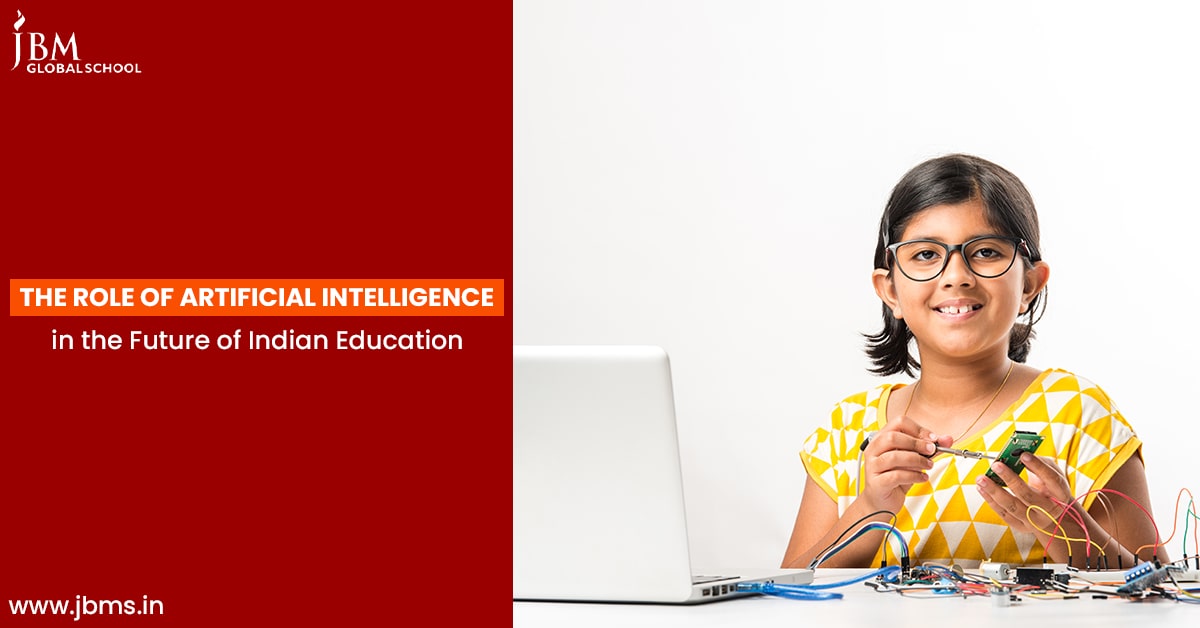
(997, 434)
(1062, 434)
(1090, 449)
(943, 496)
(989, 535)
(1025, 542)
(954, 531)
(1056, 401)
(974, 502)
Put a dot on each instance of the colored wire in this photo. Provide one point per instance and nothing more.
(813, 591)
(1078, 501)
(858, 534)
(1174, 522)
(874, 525)
(1188, 514)
(1057, 525)
(862, 446)
(882, 572)
(892, 520)
(1192, 597)
(1077, 515)
(883, 543)
(1186, 521)
(859, 473)
(1062, 536)
(1195, 534)
(1102, 499)
(947, 572)
(1068, 511)
(930, 580)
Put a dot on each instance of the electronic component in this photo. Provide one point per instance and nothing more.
(1142, 577)
(1019, 443)
(995, 571)
(1033, 575)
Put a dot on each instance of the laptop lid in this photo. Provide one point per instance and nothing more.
(598, 503)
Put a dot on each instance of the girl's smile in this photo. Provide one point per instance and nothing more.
(956, 313)
(958, 308)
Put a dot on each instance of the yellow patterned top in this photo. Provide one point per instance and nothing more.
(946, 520)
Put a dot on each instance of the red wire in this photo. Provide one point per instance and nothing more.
(1078, 519)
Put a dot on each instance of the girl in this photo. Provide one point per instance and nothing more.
(959, 269)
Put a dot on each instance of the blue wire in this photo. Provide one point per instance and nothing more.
(946, 572)
(890, 570)
(805, 595)
(863, 530)
(813, 591)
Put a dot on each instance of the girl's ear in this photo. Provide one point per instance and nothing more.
(886, 289)
(1036, 278)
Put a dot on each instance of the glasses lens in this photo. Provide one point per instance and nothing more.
(990, 257)
(987, 257)
(921, 260)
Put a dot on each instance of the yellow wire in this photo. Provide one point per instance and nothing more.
(1064, 537)
(1187, 593)
(1066, 541)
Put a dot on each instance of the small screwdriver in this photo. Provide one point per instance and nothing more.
(965, 453)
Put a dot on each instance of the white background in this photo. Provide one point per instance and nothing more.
(708, 176)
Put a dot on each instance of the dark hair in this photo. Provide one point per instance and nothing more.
(951, 180)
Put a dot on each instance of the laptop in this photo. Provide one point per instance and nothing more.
(598, 503)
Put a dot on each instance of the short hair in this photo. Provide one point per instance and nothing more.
(951, 180)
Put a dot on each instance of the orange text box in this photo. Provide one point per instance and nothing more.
(256, 297)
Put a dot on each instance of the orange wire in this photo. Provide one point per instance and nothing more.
(1174, 523)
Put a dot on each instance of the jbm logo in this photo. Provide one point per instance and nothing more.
(58, 56)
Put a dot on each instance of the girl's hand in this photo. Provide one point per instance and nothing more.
(1046, 484)
(897, 457)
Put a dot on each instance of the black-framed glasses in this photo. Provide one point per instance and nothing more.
(987, 256)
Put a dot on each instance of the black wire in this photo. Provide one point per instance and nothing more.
(847, 530)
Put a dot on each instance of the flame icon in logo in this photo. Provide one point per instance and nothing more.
(20, 21)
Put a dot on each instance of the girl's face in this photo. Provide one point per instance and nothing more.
(959, 315)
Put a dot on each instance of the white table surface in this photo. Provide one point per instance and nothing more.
(863, 606)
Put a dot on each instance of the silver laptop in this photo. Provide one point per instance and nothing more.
(598, 511)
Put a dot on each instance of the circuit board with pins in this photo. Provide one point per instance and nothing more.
(1142, 577)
